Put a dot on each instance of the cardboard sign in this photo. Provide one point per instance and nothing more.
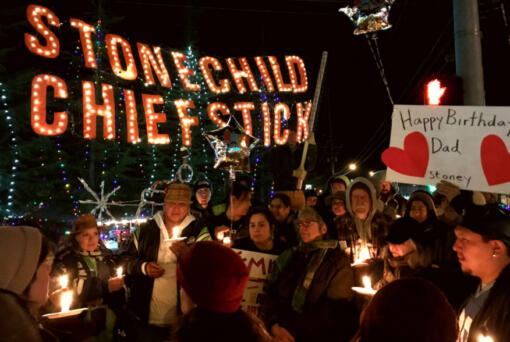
(260, 266)
(465, 145)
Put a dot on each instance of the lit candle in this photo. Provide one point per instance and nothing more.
(226, 240)
(64, 280)
(65, 300)
(367, 283)
(361, 254)
(367, 287)
(485, 338)
(220, 235)
(119, 272)
(175, 232)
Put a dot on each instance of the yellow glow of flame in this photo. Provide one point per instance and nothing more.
(66, 300)
(367, 283)
(119, 271)
(483, 338)
(64, 281)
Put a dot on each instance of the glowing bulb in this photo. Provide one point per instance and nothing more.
(352, 166)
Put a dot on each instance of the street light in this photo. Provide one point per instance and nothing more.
(352, 166)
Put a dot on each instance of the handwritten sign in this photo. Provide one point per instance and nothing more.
(260, 266)
(465, 145)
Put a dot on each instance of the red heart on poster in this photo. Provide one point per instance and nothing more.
(412, 160)
(495, 160)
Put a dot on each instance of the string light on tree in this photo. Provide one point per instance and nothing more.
(15, 153)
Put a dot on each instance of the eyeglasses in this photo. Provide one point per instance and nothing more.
(306, 223)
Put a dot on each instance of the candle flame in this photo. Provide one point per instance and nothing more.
(66, 300)
(64, 281)
(119, 272)
(175, 232)
(361, 255)
(220, 235)
(367, 283)
(484, 338)
(226, 240)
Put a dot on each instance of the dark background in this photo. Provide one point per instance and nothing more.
(355, 112)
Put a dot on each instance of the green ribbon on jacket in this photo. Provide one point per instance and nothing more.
(319, 248)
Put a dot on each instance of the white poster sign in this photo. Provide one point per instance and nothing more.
(465, 145)
(260, 266)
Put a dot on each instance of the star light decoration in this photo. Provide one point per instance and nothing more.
(368, 15)
(232, 146)
(100, 202)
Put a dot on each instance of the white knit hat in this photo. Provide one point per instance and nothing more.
(20, 248)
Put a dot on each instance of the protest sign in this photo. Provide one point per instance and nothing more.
(465, 145)
(259, 266)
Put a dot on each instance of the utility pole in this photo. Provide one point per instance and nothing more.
(468, 50)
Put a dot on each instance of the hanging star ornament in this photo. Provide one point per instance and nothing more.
(368, 15)
(232, 146)
(100, 202)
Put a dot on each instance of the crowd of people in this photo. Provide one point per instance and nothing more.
(439, 263)
(441, 271)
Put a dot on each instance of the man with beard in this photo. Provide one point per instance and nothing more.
(483, 249)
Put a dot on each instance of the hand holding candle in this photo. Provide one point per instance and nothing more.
(116, 283)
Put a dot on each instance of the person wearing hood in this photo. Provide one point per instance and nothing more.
(201, 205)
(151, 265)
(364, 229)
(309, 296)
(26, 258)
(334, 184)
(388, 194)
(336, 210)
(404, 256)
(436, 235)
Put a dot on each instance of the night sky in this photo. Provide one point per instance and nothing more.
(354, 113)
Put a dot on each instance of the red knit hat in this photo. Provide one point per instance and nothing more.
(214, 276)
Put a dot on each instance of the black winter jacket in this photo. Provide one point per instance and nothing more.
(148, 239)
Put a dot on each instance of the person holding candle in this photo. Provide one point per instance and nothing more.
(151, 262)
(26, 257)
(405, 256)
(228, 217)
(309, 296)
(90, 269)
(483, 250)
(88, 264)
(261, 228)
(366, 225)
